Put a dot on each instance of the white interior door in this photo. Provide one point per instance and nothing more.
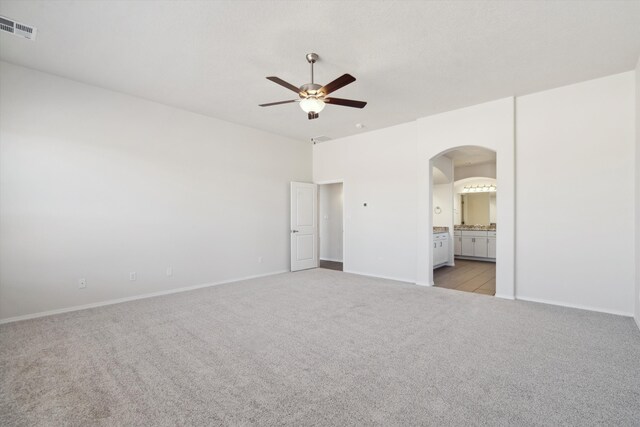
(304, 226)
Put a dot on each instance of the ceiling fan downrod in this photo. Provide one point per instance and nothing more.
(311, 59)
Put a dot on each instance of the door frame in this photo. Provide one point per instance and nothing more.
(344, 219)
(505, 241)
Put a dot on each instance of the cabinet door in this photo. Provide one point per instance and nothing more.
(480, 248)
(467, 246)
(457, 246)
(445, 250)
(435, 253)
(491, 248)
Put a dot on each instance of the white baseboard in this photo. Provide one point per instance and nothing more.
(475, 258)
(132, 298)
(425, 283)
(330, 259)
(397, 279)
(578, 306)
(240, 279)
(637, 319)
(511, 297)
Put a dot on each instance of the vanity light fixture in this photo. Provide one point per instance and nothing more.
(479, 189)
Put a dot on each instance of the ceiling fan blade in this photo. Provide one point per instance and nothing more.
(277, 103)
(345, 102)
(341, 81)
(281, 82)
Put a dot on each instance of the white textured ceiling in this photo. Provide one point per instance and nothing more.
(411, 58)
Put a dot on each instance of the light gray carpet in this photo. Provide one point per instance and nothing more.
(321, 347)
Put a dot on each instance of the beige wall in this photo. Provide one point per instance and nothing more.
(476, 208)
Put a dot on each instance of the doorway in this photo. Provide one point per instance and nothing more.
(331, 225)
(464, 196)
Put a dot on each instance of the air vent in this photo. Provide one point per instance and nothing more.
(319, 139)
(17, 28)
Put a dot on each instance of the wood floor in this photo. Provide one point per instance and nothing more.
(468, 276)
(331, 265)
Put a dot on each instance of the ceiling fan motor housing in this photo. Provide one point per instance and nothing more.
(311, 89)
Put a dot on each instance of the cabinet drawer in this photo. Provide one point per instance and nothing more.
(457, 233)
(491, 233)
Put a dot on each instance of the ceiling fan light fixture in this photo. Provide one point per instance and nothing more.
(313, 96)
(312, 105)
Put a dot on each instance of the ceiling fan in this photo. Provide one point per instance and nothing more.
(313, 96)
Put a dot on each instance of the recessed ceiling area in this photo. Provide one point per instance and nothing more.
(471, 156)
(410, 59)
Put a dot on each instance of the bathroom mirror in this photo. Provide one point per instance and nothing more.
(476, 208)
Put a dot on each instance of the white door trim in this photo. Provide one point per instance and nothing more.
(344, 217)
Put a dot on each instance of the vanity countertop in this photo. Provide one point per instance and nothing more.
(491, 227)
(440, 230)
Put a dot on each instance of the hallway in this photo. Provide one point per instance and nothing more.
(331, 265)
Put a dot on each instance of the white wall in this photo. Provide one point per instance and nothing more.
(444, 165)
(391, 170)
(570, 250)
(330, 196)
(97, 184)
(443, 192)
(637, 253)
(485, 169)
(490, 126)
(378, 168)
(575, 216)
(443, 198)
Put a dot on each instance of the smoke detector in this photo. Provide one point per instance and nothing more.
(19, 29)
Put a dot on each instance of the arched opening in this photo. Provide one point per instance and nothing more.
(464, 219)
(489, 126)
(502, 172)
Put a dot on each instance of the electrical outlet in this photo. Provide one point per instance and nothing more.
(259, 260)
(169, 271)
(82, 283)
(132, 276)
